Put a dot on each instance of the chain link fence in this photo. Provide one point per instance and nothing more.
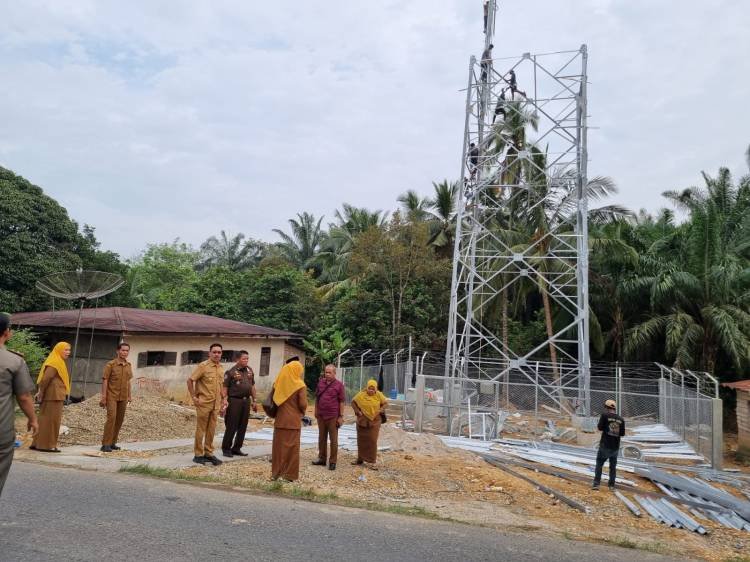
(542, 395)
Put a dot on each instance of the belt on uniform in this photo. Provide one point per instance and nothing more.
(239, 397)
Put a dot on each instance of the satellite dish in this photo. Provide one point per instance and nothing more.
(80, 285)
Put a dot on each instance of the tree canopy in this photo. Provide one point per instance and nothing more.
(660, 290)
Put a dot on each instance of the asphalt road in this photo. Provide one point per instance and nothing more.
(49, 513)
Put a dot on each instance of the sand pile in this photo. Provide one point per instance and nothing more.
(420, 443)
(149, 417)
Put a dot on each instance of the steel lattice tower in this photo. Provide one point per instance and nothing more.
(529, 161)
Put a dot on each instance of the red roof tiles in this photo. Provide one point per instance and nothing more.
(141, 321)
(738, 385)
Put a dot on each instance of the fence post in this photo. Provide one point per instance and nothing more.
(409, 367)
(419, 406)
(338, 359)
(362, 366)
(717, 437)
(684, 405)
(663, 400)
(536, 397)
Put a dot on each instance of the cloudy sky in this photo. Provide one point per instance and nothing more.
(153, 120)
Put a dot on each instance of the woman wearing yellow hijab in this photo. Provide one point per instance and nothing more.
(368, 404)
(53, 386)
(290, 395)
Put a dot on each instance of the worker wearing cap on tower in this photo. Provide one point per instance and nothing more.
(612, 427)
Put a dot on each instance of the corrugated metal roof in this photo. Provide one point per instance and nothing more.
(137, 320)
(738, 385)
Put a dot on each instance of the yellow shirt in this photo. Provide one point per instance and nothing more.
(208, 378)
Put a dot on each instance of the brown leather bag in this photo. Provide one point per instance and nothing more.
(269, 406)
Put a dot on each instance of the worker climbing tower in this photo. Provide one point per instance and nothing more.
(521, 228)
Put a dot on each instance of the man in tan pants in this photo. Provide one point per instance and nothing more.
(115, 395)
(204, 386)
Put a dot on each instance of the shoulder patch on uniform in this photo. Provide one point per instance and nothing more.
(14, 352)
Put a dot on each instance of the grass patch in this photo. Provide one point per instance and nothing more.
(624, 542)
(280, 488)
(737, 559)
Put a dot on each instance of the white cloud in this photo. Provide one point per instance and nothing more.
(152, 122)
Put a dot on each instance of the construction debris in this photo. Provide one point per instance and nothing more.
(546, 489)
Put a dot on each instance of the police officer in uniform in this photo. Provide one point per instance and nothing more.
(204, 386)
(14, 381)
(238, 395)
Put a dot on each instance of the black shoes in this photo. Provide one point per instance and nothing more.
(115, 447)
(227, 454)
(332, 466)
(106, 448)
(213, 460)
(358, 461)
(200, 460)
(318, 463)
(239, 453)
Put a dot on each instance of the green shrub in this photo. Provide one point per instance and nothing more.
(34, 352)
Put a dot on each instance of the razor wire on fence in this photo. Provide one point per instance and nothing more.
(545, 394)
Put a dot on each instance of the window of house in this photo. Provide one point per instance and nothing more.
(228, 355)
(265, 361)
(193, 357)
(157, 358)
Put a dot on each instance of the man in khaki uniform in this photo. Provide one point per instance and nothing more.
(204, 386)
(14, 381)
(115, 395)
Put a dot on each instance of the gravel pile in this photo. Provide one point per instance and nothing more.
(148, 418)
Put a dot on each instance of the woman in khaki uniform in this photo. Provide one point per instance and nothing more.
(290, 395)
(368, 405)
(53, 386)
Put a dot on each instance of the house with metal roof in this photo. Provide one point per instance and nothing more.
(743, 416)
(164, 345)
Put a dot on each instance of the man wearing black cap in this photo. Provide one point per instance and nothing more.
(612, 427)
(14, 381)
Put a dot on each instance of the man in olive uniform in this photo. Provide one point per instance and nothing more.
(14, 381)
(238, 395)
(115, 395)
(204, 386)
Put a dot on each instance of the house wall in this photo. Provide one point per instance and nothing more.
(174, 377)
(90, 357)
(743, 421)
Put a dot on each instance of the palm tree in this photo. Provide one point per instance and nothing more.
(336, 246)
(613, 261)
(510, 137)
(416, 208)
(549, 210)
(443, 223)
(235, 253)
(698, 282)
(302, 245)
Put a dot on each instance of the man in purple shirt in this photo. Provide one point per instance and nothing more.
(329, 412)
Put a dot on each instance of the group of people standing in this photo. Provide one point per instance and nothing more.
(290, 399)
(229, 393)
(232, 394)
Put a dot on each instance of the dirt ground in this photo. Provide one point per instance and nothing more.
(420, 471)
(461, 486)
(149, 417)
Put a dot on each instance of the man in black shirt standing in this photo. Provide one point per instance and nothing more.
(473, 159)
(612, 427)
